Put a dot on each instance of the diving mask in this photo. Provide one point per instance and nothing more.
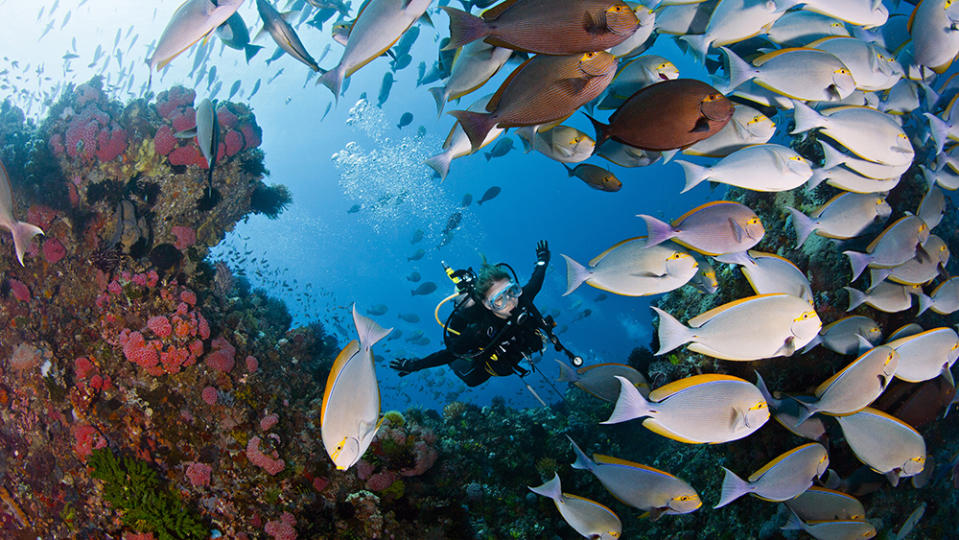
(501, 299)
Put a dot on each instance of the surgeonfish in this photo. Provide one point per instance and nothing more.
(21, 231)
(541, 90)
(207, 133)
(542, 26)
(944, 299)
(823, 504)
(351, 402)
(585, 516)
(640, 38)
(714, 228)
(376, 29)
(786, 411)
(705, 279)
(595, 177)
(895, 245)
(834, 158)
(760, 167)
(709, 408)
(845, 179)
(667, 115)
(635, 75)
(751, 328)
(746, 127)
(886, 444)
(733, 21)
(640, 486)
(627, 156)
(457, 144)
(806, 74)
(489, 194)
(405, 120)
(832, 529)
(473, 65)
(855, 386)
(283, 34)
(887, 297)
(932, 207)
(564, 144)
(918, 270)
(797, 28)
(872, 67)
(867, 13)
(842, 336)
(632, 268)
(233, 34)
(935, 42)
(501, 148)
(600, 379)
(867, 133)
(192, 21)
(785, 477)
(769, 273)
(844, 216)
(926, 355)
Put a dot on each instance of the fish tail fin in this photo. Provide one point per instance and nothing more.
(576, 274)
(368, 331)
(672, 333)
(858, 262)
(569, 170)
(657, 231)
(333, 79)
(877, 276)
(441, 163)
(806, 411)
(582, 460)
(695, 174)
(733, 488)
(250, 51)
(793, 523)
(527, 143)
(818, 177)
(803, 224)
(566, 372)
(22, 234)
(698, 44)
(925, 302)
(476, 125)
(441, 95)
(832, 157)
(738, 257)
(815, 342)
(552, 489)
(602, 131)
(464, 28)
(856, 298)
(739, 71)
(939, 130)
(630, 404)
(805, 117)
(763, 389)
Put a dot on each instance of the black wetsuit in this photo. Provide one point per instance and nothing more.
(477, 327)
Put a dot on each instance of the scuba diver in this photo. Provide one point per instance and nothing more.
(493, 326)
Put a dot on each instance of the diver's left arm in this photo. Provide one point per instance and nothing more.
(535, 282)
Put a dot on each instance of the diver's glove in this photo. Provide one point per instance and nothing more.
(542, 253)
(403, 366)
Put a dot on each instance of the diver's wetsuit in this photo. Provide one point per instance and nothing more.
(477, 326)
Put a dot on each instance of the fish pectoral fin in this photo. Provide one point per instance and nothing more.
(738, 231)
(573, 85)
(833, 92)
(921, 254)
(648, 274)
(656, 513)
(788, 348)
(593, 26)
(702, 125)
(186, 133)
(947, 375)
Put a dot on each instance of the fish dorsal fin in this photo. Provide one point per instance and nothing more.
(595, 260)
(818, 212)
(661, 430)
(610, 460)
(704, 317)
(820, 41)
(872, 245)
(755, 476)
(821, 389)
(351, 349)
(912, 17)
(877, 412)
(675, 387)
(497, 10)
(683, 217)
(762, 254)
(770, 55)
(359, 13)
(829, 326)
(494, 101)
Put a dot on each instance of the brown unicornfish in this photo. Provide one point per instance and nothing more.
(546, 26)
(541, 90)
(667, 115)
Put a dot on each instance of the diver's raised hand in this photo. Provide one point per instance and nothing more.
(402, 366)
(542, 252)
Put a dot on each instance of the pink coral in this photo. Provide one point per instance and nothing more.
(209, 395)
(188, 297)
(424, 455)
(381, 480)
(233, 142)
(160, 326)
(272, 465)
(19, 290)
(111, 143)
(184, 120)
(86, 440)
(139, 351)
(251, 364)
(225, 117)
(198, 473)
(164, 142)
(282, 529)
(185, 237)
(252, 135)
(269, 421)
(83, 367)
(220, 361)
(187, 155)
(53, 250)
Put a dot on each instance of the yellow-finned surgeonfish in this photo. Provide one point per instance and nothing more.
(783, 478)
(926, 355)
(633, 268)
(888, 297)
(899, 242)
(747, 329)
(786, 411)
(699, 409)
(844, 216)
(886, 444)
(760, 167)
(600, 379)
(842, 336)
(944, 299)
(823, 504)
(640, 486)
(351, 403)
(193, 20)
(832, 529)
(768, 273)
(587, 517)
(806, 74)
(714, 228)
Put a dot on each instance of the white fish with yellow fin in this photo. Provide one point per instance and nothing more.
(798, 73)
(932, 207)
(887, 297)
(844, 216)
(886, 444)
(585, 516)
(709, 408)
(751, 328)
(917, 270)
(869, 134)
(349, 416)
(786, 412)
(640, 486)
(600, 379)
(783, 478)
(823, 504)
(797, 28)
(191, 22)
(873, 67)
(457, 144)
(632, 268)
(714, 228)
(867, 13)
(768, 273)
(735, 20)
(564, 144)
(634, 76)
(747, 127)
(840, 529)
(22, 231)
(842, 336)
(935, 41)
(899, 242)
(845, 179)
(474, 64)
(944, 299)
(760, 167)
(926, 355)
